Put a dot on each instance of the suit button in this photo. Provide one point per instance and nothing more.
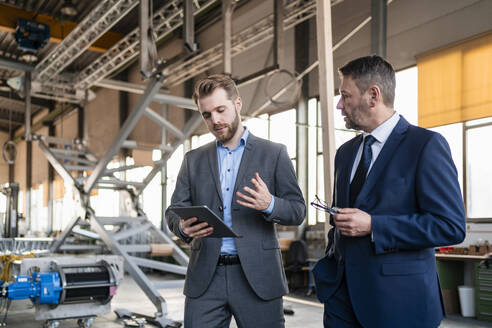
(221, 208)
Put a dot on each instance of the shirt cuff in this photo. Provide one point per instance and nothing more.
(269, 209)
(183, 235)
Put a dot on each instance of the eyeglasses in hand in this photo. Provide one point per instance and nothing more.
(321, 205)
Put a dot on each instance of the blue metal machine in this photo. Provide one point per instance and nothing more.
(66, 284)
(41, 288)
(61, 290)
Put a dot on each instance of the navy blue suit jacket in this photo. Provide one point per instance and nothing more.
(413, 196)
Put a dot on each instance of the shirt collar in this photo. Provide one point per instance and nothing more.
(242, 141)
(383, 131)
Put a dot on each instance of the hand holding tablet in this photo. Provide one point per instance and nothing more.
(193, 228)
(202, 217)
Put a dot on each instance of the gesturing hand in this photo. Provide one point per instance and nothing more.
(353, 222)
(195, 231)
(259, 198)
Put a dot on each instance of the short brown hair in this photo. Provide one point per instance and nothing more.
(206, 86)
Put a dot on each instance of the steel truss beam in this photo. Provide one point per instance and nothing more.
(57, 165)
(15, 65)
(164, 123)
(165, 20)
(148, 50)
(21, 246)
(189, 128)
(99, 21)
(295, 12)
(127, 127)
(161, 97)
(227, 10)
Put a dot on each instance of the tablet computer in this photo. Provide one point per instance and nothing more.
(204, 214)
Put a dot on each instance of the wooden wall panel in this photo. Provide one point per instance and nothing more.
(67, 126)
(39, 162)
(103, 118)
(20, 166)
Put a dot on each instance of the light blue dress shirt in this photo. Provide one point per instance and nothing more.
(229, 161)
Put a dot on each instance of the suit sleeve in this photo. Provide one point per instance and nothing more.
(440, 219)
(290, 208)
(181, 197)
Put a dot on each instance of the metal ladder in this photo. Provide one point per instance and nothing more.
(125, 236)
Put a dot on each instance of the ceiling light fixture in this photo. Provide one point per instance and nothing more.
(68, 8)
(28, 58)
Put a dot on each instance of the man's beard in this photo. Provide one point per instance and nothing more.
(350, 123)
(230, 130)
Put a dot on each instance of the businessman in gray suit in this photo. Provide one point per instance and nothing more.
(250, 183)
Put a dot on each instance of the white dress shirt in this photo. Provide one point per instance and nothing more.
(381, 134)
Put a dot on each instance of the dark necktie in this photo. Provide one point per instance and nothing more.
(360, 174)
(355, 187)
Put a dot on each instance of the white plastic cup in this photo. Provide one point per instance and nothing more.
(467, 300)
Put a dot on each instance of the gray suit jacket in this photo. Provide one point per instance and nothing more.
(259, 252)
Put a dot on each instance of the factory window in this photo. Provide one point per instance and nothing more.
(283, 130)
(259, 126)
(64, 205)
(173, 166)
(467, 142)
(198, 141)
(478, 134)
(39, 212)
(152, 194)
(106, 203)
(453, 133)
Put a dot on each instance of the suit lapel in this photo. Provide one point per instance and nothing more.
(245, 161)
(384, 157)
(214, 167)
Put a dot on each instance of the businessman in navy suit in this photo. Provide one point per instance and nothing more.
(399, 198)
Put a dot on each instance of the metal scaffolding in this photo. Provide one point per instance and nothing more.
(59, 85)
(295, 12)
(123, 235)
(99, 21)
(165, 20)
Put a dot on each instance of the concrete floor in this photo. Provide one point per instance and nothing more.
(308, 312)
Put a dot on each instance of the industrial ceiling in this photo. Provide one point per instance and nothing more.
(90, 41)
